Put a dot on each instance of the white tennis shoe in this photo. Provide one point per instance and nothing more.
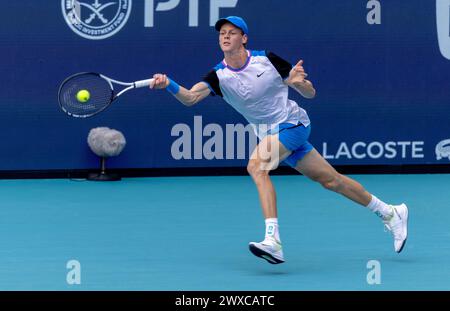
(269, 249)
(398, 226)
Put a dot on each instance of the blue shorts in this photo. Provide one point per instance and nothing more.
(295, 139)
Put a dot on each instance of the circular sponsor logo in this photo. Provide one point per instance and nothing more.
(96, 19)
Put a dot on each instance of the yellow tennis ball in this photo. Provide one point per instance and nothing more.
(83, 96)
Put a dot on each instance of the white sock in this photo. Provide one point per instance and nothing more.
(272, 229)
(380, 208)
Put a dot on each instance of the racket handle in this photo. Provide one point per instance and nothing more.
(143, 83)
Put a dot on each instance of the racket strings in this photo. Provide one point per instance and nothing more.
(100, 94)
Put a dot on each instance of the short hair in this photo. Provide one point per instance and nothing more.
(242, 32)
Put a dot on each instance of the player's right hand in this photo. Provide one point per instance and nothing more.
(161, 81)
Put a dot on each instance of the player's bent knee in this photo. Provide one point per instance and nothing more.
(251, 166)
(332, 183)
(256, 168)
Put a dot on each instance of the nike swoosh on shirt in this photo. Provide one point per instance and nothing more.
(259, 75)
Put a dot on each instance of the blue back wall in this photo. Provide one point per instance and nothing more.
(382, 90)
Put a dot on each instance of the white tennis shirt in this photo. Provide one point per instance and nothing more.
(257, 91)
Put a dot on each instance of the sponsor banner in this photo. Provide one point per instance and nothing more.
(381, 70)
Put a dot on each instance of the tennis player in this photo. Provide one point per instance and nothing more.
(256, 84)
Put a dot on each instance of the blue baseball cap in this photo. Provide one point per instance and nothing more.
(235, 20)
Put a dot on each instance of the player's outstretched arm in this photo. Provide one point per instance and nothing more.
(187, 97)
(297, 80)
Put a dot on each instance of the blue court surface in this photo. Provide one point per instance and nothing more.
(192, 233)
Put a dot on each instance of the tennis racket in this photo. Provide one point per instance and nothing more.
(97, 90)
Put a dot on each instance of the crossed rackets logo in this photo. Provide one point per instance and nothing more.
(97, 20)
(96, 8)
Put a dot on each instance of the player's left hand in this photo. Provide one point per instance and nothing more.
(298, 73)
